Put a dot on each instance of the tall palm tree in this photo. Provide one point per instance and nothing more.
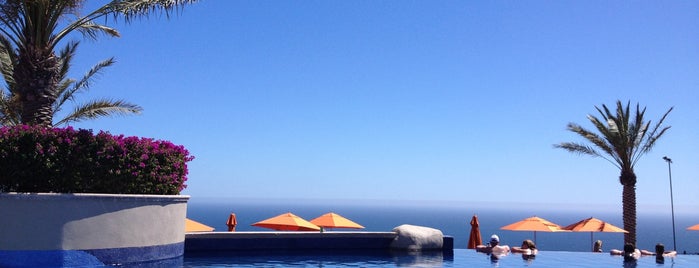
(66, 91)
(34, 28)
(621, 140)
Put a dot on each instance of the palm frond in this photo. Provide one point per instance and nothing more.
(61, 92)
(84, 83)
(100, 108)
(131, 9)
(8, 111)
(578, 148)
(89, 77)
(92, 30)
(595, 139)
(623, 139)
(128, 9)
(625, 115)
(12, 20)
(4, 109)
(653, 135)
(65, 57)
(583, 149)
(7, 61)
(608, 130)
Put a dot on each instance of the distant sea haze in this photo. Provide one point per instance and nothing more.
(453, 220)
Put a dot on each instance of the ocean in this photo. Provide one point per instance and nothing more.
(453, 220)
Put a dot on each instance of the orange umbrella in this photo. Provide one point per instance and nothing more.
(474, 239)
(193, 226)
(593, 225)
(332, 220)
(231, 222)
(694, 228)
(287, 222)
(534, 224)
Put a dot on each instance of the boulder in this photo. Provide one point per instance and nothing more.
(417, 238)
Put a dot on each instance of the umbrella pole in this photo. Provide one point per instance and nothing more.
(592, 244)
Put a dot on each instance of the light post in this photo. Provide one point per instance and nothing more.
(672, 204)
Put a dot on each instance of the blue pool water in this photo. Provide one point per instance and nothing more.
(460, 258)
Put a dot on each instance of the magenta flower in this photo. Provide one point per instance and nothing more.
(37, 159)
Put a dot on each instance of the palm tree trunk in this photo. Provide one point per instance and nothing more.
(628, 180)
(36, 76)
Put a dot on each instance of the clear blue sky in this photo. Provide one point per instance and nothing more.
(457, 101)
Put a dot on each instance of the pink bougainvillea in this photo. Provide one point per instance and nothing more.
(65, 160)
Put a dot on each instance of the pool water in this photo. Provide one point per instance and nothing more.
(460, 258)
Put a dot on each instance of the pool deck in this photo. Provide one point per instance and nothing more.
(288, 241)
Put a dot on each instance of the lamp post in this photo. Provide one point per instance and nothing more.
(672, 204)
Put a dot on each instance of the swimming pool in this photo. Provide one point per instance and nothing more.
(460, 258)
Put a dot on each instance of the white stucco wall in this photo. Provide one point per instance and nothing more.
(90, 221)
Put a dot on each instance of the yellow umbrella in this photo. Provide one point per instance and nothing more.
(287, 222)
(694, 228)
(534, 224)
(194, 226)
(333, 220)
(594, 225)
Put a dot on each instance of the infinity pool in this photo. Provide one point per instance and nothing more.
(460, 258)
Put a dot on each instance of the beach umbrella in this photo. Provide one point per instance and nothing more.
(474, 239)
(333, 220)
(593, 225)
(194, 226)
(534, 224)
(231, 222)
(287, 222)
(694, 228)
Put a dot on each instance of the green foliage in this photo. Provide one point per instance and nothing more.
(621, 139)
(66, 91)
(37, 159)
(30, 32)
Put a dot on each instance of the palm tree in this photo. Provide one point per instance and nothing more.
(622, 140)
(34, 28)
(66, 91)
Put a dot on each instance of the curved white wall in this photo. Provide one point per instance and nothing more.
(93, 223)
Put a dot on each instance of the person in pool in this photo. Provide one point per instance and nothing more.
(493, 247)
(528, 248)
(597, 246)
(660, 250)
(660, 253)
(630, 253)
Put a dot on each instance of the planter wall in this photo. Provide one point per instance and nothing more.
(89, 229)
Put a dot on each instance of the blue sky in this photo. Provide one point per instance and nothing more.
(434, 101)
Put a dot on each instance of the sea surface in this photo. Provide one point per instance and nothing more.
(453, 220)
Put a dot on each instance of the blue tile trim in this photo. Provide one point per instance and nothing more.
(138, 254)
(88, 258)
(47, 258)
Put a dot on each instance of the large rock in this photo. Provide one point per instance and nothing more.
(416, 238)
